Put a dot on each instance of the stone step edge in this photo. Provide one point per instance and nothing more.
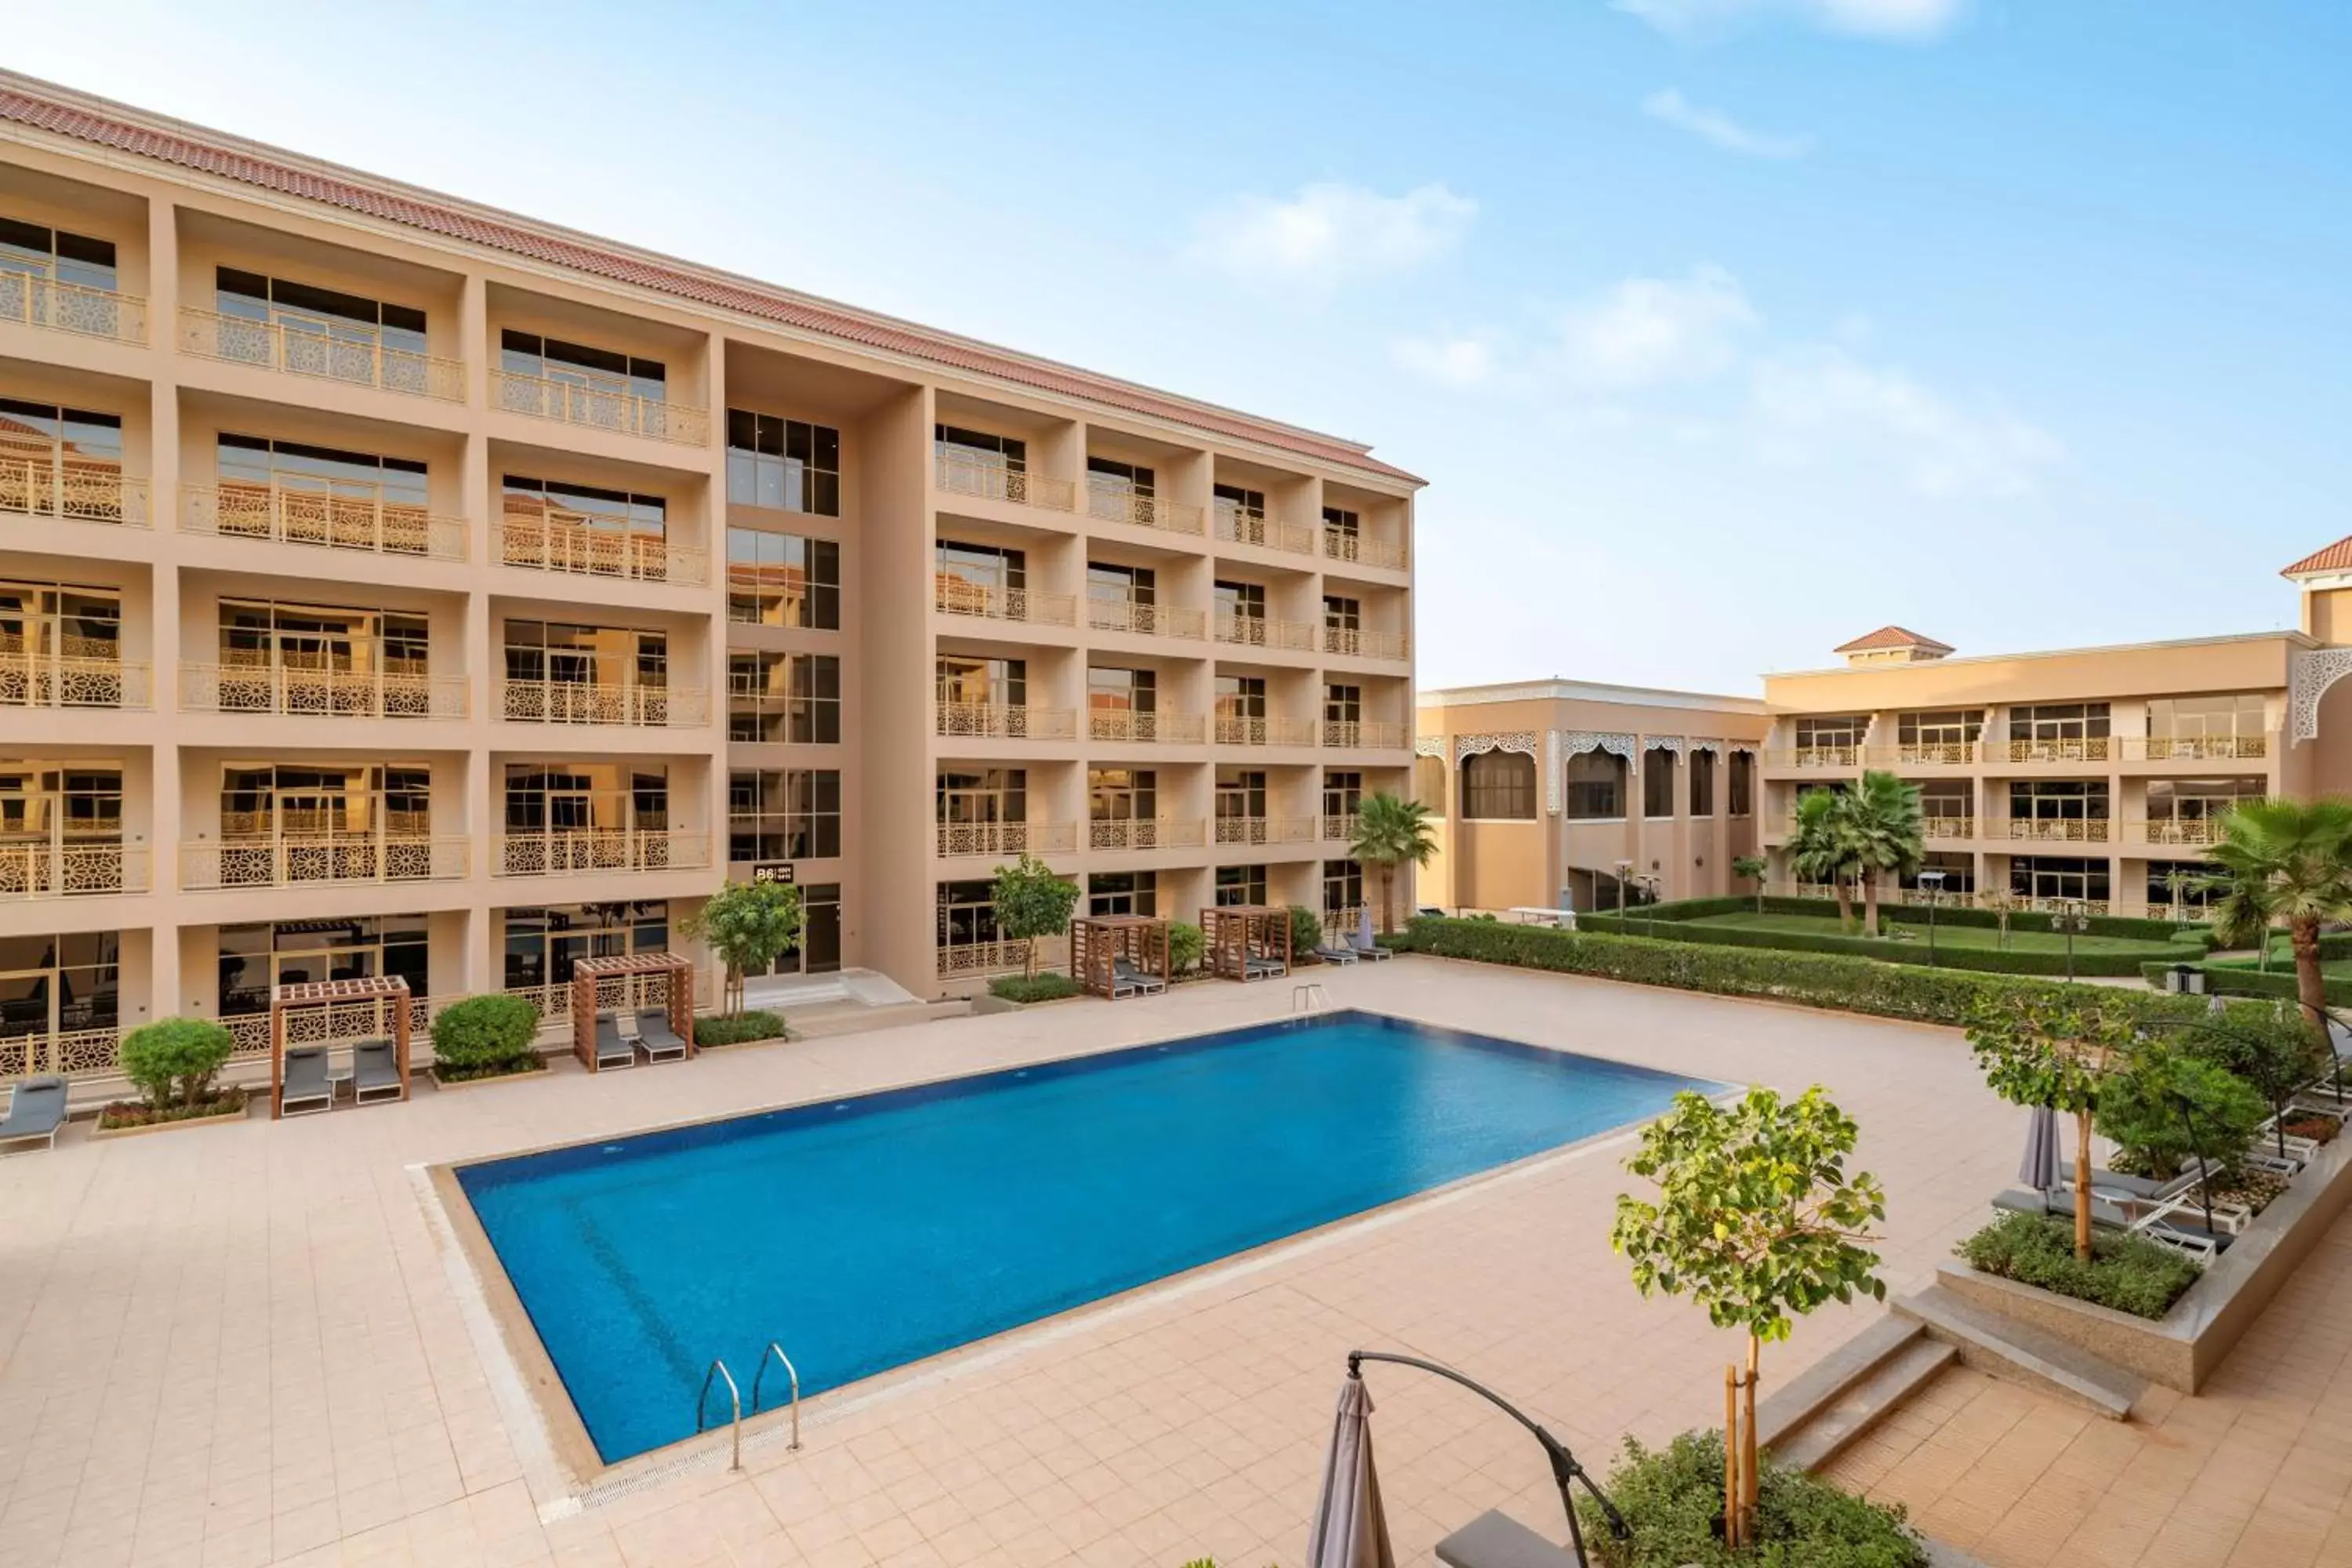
(2005, 1348)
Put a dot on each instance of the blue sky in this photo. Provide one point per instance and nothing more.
(1724, 329)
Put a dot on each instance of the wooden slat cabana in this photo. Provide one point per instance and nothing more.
(1246, 942)
(343, 1003)
(588, 975)
(1098, 944)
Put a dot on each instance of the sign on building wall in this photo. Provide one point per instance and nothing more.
(773, 871)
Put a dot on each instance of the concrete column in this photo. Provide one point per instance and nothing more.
(164, 596)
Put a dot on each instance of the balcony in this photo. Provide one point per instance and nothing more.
(1000, 957)
(1237, 729)
(580, 853)
(1242, 525)
(2059, 749)
(31, 302)
(323, 516)
(1380, 734)
(1266, 830)
(1116, 503)
(1260, 631)
(324, 693)
(1338, 828)
(953, 595)
(2176, 830)
(585, 703)
(41, 481)
(1355, 642)
(2050, 830)
(1154, 727)
(1145, 620)
(65, 870)
(958, 839)
(1146, 833)
(300, 860)
(957, 472)
(599, 408)
(348, 354)
(1003, 722)
(2198, 748)
(1940, 826)
(1815, 757)
(1924, 754)
(1339, 546)
(51, 680)
(73, 1053)
(565, 542)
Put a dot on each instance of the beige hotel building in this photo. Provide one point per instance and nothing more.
(393, 586)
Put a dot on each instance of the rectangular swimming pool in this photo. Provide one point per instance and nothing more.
(868, 1233)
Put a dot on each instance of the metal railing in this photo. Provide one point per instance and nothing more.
(320, 693)
(958, 472)
(31, 302)
(41, 481)
(1002, 722)
(961, 839)
(300, 860)
(1266, 830)
(326, 1024)
(2051, 829)
(1338, 827)
(1924, 753)
(2189, 830)
(1262, 631)
(775, 1354)
(1234, 729)
(1815, 757)
(2198, 747)
(1156, 728)
(51, 680)
(559, 543)
(570, 854)
(345, 354)
(953, 595)
(332, 518)
(1116, 503)
(1361, 642)
(1145, 620)
(614, 994)
(1146, 833)
(1243, 525)
(1000, 957)
(584, 703)
(1340, 546)
(600, 408)
(2065, 749)
(69, 1053)
(1380, 734)
(1939, 826)
(56, 870)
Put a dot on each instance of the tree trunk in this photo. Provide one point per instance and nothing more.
(1731, 1458)
(1388, 898)
(1869, 905)
(2082, 1185)
(2310, 985)
(1748, 1479)
(1845, 902)
(1029, 958)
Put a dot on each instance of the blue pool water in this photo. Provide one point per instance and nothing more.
(869, 1233)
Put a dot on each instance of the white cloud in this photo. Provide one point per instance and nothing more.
(1913, 20)
(1820, 404)
(1715, 126)
(1332, 231)
(1467, 361)
(1652, 330)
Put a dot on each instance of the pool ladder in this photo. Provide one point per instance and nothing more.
(774, 1354)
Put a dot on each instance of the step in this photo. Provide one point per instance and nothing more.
(2022, 1353)
(1790, 1405)
(1862, 1405)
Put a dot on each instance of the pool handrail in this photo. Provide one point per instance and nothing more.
(719, 1369)
(776, 1353)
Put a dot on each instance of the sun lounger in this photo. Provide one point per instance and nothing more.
(1264, 968)
(375, 1072)
(1126, 975)
(1330, 954)
(305, 1082)
(612, 1050)
(1372, 950)
(36, 1111)
(657, 1040)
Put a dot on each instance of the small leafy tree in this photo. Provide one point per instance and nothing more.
(1756, 1220)
(2275, 1056)
(2050, 1049)
(1390, 832)
(1031, 901)
(1186, 942)
(2141, 1108)
(1755, 867)
(1306, 931)
(173, 1060)
(747, 926)
(482, 1035)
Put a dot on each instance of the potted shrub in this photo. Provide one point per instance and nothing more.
(1186, 943)
(484, 1037)
(173, 1063)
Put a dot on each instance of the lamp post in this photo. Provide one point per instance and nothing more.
(1624, 871)
(2073, 915)
(1650, 883)
(1931, 883)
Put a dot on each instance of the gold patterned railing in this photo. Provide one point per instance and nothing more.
(566, 541)
(39, 482)
(953, 595)
(1943, 827)
(53, 870)
(614, 994)
(2050, 830)
(1924, 753)
(1146, 833)
(335, 520)
(1339, 546)
(332, 1023)
(568, 853)
(31, 302)
(1361, 642)
(1266, 830)
(960, 838)
(344, 355)
(74, 1053)
(1339, 829)
(1262, 631)
(1116, 503)
(2072, 749)
(1815, 757)
(1001, 957)
(1002, 721)
(45, 681)
(1242, 526)
(2176, 830)
(957, 472)
(541, 397)
(1234, 730)
(1156, 728)
(1380, 734)
(2196, 748)
(320, 693)
(299, 860)
(1145, 620)
(581, 702)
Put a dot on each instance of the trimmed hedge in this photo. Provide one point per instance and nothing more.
(1046, 985)
(1939, 995)
(1985, 960)
(2130, 927)
(752, 1024)
(486, 1036)
(2229, 980)
(2126, 1273)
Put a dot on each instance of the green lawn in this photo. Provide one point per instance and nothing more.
(1915, 935)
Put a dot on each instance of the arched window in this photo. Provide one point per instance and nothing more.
(1429, 783)
(1596, 786)
(1499, 785)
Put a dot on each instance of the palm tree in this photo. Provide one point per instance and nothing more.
(1886, 833)
(1818, 848)
(1390, 832)
(2290, 861)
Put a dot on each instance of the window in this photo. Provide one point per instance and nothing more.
(1123, 807)
(1343, 889)
(1429, 781)
(28, 248)
(2185, 885)
(979, 579)
(966, 926)
(2045, 879)
(991, 796)
(2227, 726)
(1240, 885)
(1343, 792)
(1950, 802)
(319, 642)
(1007, 452)
(2059, 731)
(1122, 598)
(2190, 811)
(786, 464)
(1241, 514)
(599, 372)
(1117, 698)
(818, 950)
(1959, 872)
(1241, 710)
(304, 801)
(555, 799)
(327, 314)
(558, 672)
(256, 959)
(783, 580)
(1658, 782)
(1944, 736)
(1112, 477)
(1499, 786)
(1835, 736)
(326, 472)
(57, 985)
(1123, 893)
(1240, 805)
(1343, 622)
(1702, 782)
(1239, 602)
(1743, 783)
(580, 527)
(61, 829)
(2058, 800)
(783, 698)
(47, 621)
(1596, 787)
(968, 682)
(543, 944)
(1343, 704)
(59, 462)
(1343, 533)
(784, 814)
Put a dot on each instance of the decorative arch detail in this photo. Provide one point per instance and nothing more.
(1429, 746)
(1520, 741)
(1675, 743)
(1575, 743)
(2309, 673)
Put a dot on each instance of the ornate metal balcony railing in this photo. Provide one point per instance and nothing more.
(31, 302)
(1380, 734)
(1354, 547)
(1001, 957)
(48, 681)
(1361, 642)
(1263, 631)
(1338, 828)
(599, 408)
(957, 471)
(1146, 833)
(2063, 749)
(330, 1024)
(573, 854)
(2179, 830)
(1924, 754)
(1116, 503)
(345, 354)
(320, 693)
(953, 595)
(2052, 830)
(2198, 747)
(72, 1053)
(1145, 620)
(1241, 525)
(296, 861)
(65, 870)
(330, 518)
(961, 839)
(1941, 827)
(41, 481)
(565, 541)
(1266, 830)
(1236, 730)
(614, 994)
(1815, 757)
(583, 702)
(1002, 721)
(1156, 728)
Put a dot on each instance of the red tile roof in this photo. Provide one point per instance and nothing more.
(2336, 557)
(1890, 636)
(193, 147)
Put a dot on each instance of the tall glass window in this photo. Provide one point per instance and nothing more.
(1658, 782)
(61, 462)
(1596, 787)
(789, 465)
(784, 814)
(1499, 786)
(783, 580)
(31, 250)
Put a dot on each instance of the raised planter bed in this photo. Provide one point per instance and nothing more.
(538, 1065)
(230, 1107)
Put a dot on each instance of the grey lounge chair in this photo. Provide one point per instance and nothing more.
(661, 1043)
(1372, 950)
(375, 1072)
(612, 1050)
(1127, 976)
(1330, 954)
(36, 1111)
(1264, 968)
(305, 1083)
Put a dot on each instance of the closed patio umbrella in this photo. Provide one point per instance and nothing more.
(1364, 926)
(1349, 1532)
(2039, 1169)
